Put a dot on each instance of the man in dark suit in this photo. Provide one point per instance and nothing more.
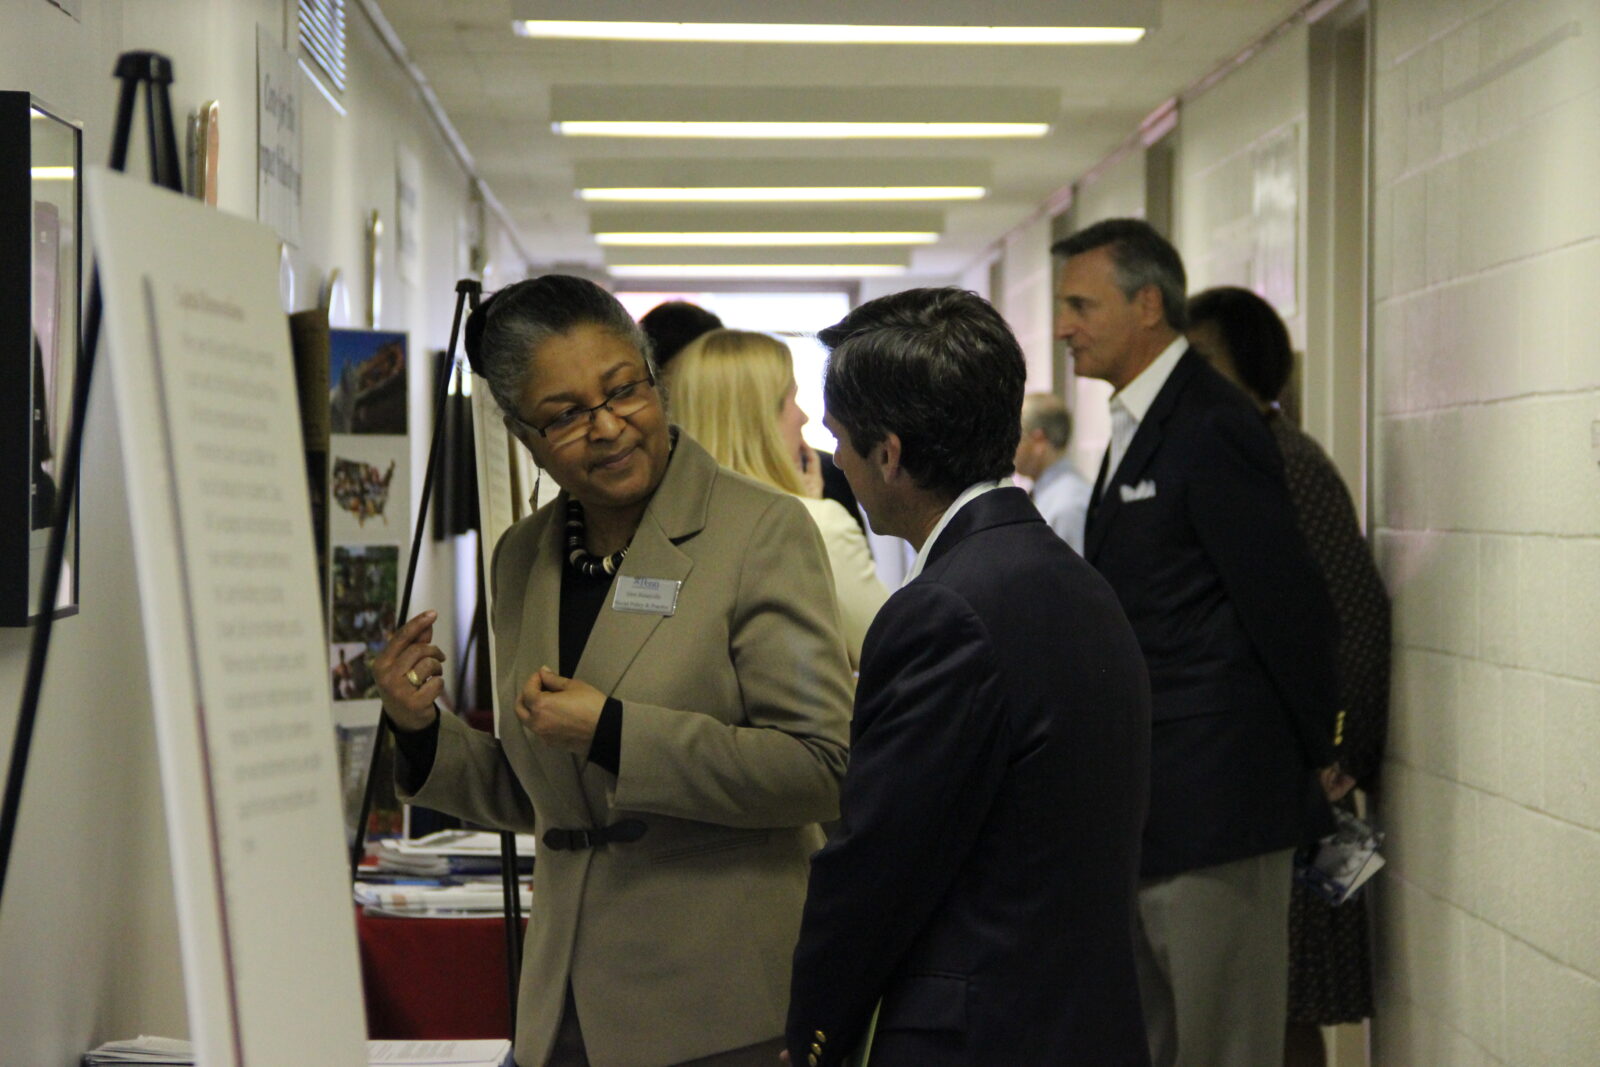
(982, 880)
(1192, 524)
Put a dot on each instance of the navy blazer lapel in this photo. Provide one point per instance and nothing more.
(1146, 440)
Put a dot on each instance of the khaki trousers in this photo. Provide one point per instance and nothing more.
(569, 1049)
(1213, 956)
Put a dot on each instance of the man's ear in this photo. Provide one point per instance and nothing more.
(1151, 311)
(887, 457)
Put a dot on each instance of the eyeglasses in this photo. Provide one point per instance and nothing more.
(626, 399)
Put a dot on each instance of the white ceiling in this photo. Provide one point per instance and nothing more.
(497, 89)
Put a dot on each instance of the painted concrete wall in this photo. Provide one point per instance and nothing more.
(1487, 155)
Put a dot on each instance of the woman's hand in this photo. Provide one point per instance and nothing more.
(560, 712)
(810, 471)
(410, 674)
(1336, 784)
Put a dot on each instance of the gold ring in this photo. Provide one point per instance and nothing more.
(411, 676)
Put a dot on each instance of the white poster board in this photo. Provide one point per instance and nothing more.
(198, 355)
(369, 511)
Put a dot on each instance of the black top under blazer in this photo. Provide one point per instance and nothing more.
(1197, 535)
(983, 876)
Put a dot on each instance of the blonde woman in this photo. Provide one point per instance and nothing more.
(733, 391)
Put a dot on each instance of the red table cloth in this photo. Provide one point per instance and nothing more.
(434, 978)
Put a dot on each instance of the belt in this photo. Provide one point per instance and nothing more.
(625, 832)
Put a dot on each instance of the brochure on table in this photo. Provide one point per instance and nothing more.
(197, 350)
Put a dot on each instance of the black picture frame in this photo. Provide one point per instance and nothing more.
(41, 272)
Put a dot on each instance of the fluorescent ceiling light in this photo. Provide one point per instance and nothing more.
(782, 194)
(756, 270)
(53, 174)
(768, 240)
(800, 130)
(809, 33)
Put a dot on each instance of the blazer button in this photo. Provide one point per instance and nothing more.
(816, 1050)
(821, 1036)
(811, 1059)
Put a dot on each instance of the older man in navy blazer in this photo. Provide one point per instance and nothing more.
(1192, 524)
(981, 884)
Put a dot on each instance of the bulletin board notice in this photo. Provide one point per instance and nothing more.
(197, 349)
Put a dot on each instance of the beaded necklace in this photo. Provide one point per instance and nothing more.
(581, 559)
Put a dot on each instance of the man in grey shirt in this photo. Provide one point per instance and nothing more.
(1059, 492)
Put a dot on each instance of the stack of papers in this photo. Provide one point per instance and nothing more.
(170, 1051)
(476, 899)
(491, 1053)
(451, 852)
(142, 1049)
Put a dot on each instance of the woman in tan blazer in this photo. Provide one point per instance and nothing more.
(734, 390)
(674, 706)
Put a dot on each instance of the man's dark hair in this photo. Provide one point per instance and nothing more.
(1257, 340)
(672, 325)
(1141, 257)
(937, 367)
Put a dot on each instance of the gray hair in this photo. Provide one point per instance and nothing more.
(1141, 257)
(1047, 412)
(506, 329)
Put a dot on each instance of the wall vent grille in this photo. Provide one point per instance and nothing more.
(322, 34)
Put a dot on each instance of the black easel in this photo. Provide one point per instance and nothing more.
(154, 71)
(468, 293)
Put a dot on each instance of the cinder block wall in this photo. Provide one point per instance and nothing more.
(1487, 365)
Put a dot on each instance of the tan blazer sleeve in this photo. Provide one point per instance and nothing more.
(470, 777)
(781, 766)
(472, 780)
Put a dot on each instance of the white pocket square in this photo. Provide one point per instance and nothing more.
(1145, 490)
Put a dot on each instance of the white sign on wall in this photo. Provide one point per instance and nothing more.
(213, 459)
(407, 214)
(277, 138)
(1275, 210)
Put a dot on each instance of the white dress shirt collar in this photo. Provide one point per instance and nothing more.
(1139, 394)
(969, 494)
(1131, 403)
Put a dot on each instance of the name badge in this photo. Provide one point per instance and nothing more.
(646, 596)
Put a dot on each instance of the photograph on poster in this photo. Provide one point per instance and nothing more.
(361, 490)
(365, 584)
(350, 674)
(368, 375)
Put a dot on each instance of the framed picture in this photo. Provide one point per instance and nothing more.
(41, 167)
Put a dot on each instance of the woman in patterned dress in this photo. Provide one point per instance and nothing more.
(1330, 963)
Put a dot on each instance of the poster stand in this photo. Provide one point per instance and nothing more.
(154, 72)
(468, 294)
